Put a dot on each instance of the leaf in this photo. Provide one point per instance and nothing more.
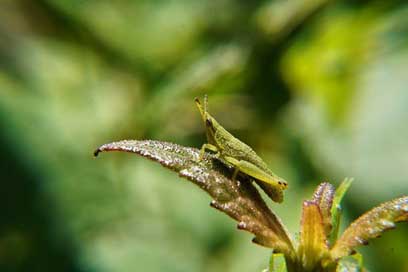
(312, 246)
(336, 208)
(277, 263)
(323, 196)
(239, 199)
(371, 225)
(352, 263)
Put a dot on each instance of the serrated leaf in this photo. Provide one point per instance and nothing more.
(323, 196)
(239, 198)
(371, 225)
(312, 246)
(336, 208)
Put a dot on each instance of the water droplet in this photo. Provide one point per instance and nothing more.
(242, 225)
(386, 223)
(360, 240)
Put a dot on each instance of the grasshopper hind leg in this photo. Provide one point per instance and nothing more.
(272, 186)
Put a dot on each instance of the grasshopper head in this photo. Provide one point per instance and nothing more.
(207, 118)
(209, 121)
(282, 183)
(203, 110)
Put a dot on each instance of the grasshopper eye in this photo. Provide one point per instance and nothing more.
(210, 125)
(283, 183)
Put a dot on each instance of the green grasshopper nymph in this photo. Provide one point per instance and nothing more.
(236, 154)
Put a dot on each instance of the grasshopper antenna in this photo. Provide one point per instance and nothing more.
(203, 111)
(205, 103)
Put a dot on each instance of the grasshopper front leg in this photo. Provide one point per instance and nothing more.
(210, 147)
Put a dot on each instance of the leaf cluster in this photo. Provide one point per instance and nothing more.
(318, 248)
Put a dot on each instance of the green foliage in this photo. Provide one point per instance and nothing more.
(240, 200)
(317, 88)
(336, 208)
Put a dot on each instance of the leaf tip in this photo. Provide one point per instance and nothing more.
(96, 152)
(256, 241)
(214, 204)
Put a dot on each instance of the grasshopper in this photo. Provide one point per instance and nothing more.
(238, 155)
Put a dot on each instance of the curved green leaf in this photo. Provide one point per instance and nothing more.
(237, 198)
(336, 208)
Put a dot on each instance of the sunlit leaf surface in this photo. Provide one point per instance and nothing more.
(239, 199)
(371, 225)
(312, 237)
(323, 196)
(317, 90)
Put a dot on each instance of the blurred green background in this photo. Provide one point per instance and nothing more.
(318, 88)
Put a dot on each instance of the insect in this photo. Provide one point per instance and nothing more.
(238, 155)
